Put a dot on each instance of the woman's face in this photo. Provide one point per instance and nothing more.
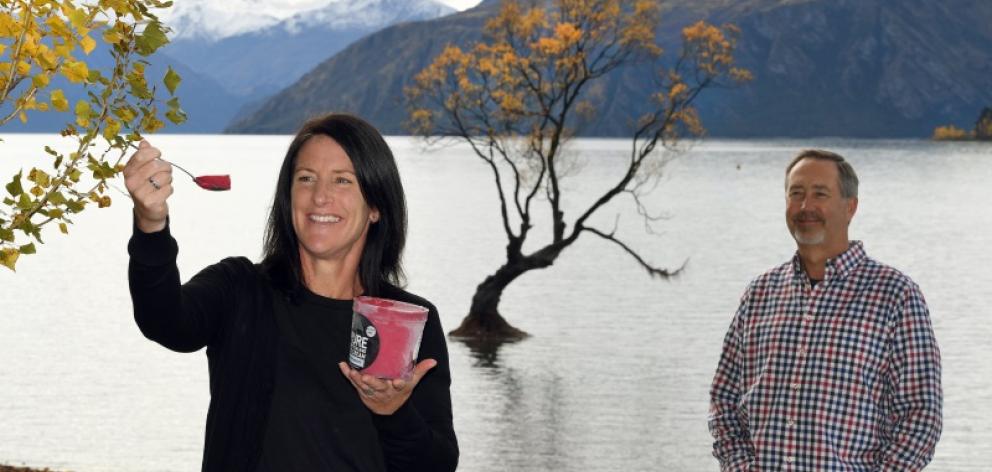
(330, 216)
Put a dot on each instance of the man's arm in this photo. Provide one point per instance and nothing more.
(914, 380)
(732, 441)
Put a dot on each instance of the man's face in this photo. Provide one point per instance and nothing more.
(815, 211)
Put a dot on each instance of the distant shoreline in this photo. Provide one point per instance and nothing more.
(10, 468)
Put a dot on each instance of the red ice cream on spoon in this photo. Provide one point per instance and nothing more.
(214, 182)
(209, 182)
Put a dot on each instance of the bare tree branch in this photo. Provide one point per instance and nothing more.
(652, 270)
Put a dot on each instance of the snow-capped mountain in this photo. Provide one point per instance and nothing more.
(217, 20)
(364, 14)
(259, 60)
(254, 48)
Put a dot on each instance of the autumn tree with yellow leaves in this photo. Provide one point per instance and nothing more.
(45, 42)
(516, 96)
(950, 133)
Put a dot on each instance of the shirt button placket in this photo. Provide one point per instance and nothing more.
(805, 328)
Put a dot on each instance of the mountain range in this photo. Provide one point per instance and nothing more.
(854, 68)
(857, 68)
(259, 62)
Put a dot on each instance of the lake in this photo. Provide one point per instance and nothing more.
(616, 374)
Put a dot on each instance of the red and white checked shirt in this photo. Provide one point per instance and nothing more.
(843, 376)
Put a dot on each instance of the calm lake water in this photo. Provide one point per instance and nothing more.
(616, 374)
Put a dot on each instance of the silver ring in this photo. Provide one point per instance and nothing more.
(154, 183)
(369, 392)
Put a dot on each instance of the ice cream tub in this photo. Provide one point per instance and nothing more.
(385, 337)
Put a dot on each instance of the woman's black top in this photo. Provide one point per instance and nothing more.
(268, 389)
(316, 421)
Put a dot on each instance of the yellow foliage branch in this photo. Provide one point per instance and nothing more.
(119, 108)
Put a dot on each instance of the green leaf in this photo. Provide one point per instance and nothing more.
(175, 114)
(39, 177)
(74, 206)
(96, 76)
(8, 257)
(78, 18)
(14, 187)
(28, 228)
(27, 249)
(6, 235)
(139, 86)
(171, 80)
(152, 38)
(125, 113)
(83, 113)
(104, 170)
(56, 198)
(112, 36)
(24, 202)
(113, 127)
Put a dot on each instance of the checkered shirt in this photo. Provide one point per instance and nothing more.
(843, 376)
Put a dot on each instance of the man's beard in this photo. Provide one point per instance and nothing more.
(809, 238)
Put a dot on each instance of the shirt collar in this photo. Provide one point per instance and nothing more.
(836, 267)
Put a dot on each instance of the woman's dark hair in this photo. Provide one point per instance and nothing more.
(379, 181)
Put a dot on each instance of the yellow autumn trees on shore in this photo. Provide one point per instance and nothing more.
(46, 42)
(981, 132)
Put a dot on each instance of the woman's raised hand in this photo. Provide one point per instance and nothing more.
(149, 181)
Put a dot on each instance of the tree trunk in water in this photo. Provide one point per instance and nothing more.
(484, 323)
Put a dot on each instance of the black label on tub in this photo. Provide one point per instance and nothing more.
(364, 342)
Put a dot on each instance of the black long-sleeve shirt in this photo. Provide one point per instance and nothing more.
(230, 308)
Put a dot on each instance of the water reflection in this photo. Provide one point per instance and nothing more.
(484, 352)
(515, 411)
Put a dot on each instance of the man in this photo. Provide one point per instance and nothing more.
(830, 363)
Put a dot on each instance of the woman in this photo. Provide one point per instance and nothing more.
(276, 332)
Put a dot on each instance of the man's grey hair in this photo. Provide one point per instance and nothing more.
(848, 178)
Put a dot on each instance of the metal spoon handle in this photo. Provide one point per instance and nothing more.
(173, 164)
(177, 166)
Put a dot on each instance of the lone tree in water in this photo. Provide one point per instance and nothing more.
(46, 45)
(515, 99)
